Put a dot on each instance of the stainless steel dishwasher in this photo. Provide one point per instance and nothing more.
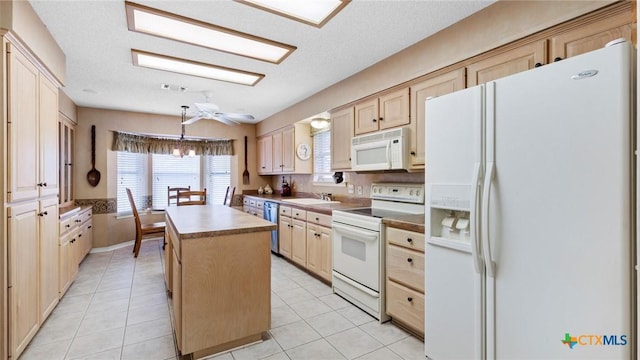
(271, 214)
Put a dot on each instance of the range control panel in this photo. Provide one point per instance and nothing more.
(409, 193)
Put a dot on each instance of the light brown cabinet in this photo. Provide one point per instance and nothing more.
(265, 155)
(75, 241)
(434, 86)
(253, 206)
(281, 147)
(23, 229)
(66, 138)
(594, 36)
(405, 277)
(285, 231)
(386, 111)
(299, 237)
(319, 245)
(48, 257)
(510, 62)
(341, 134)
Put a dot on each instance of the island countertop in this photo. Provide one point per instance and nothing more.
(198, 221)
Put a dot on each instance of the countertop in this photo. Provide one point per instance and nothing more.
(65, 212)
(198, 221)
(405, 222)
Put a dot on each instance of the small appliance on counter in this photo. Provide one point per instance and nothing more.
(286, 189)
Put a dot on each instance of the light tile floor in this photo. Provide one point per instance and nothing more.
(117, 308)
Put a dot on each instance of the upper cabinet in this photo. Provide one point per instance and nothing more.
(434, 86)
(384, 112)
(277, 151)
(66, 135)
(591, 37)
(341, 134)
(32, 130)
(512, 61)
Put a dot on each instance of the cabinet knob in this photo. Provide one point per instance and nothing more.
(413, 153)
(409, 240)
(89, 227)
(410, 260)
(380, 118)
(409, 299)
(317, 219)
(80, 235)
(557, 59)
(42, 213)
(374, 120)
(68, 225)
(537, 64)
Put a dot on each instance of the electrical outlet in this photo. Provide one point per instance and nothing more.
(359, 189)
(350, 188)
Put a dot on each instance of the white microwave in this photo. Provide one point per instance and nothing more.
(383, 150)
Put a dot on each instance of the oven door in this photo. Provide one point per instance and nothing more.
(356, 254)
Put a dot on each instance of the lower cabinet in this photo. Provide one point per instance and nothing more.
(299, 242)
(49, 261)
(23, 236)
(405, 278)
(285, 233)
(75, 242)
(68, 256)
(319, 245)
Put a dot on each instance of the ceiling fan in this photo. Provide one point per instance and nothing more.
(210, 111)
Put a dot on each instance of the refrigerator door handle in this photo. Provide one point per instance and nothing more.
(475, 238)
(486, 193)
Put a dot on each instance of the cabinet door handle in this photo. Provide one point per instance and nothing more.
(557, 59)
(43, 213)
(537, 64)
(89, 227)
(374, 120)
(68, 225)
(409, 240)
(80, 235)
(413, 153)
(380, 118)
(317, 219)
(410, 260)
(409, 299)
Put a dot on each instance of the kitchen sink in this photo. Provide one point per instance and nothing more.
(309, 201)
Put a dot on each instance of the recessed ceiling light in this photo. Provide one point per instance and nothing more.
(155, 22)
(188, 67)
(90, 91)
(165, 86)
(311, 12)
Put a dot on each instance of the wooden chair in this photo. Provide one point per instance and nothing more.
(192, 197)
(172, 193)
(228, 197)
(143, 229)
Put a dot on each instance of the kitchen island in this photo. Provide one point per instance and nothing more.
(218, 272)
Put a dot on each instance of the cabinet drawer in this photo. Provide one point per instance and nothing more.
(85, 216)
(285, 211)
(299, 214)
(259, 204)
(67, 224)
(405, 266)
(408, 239)
(252, 202)
(405, 305)
(245, 201)
(320, 219)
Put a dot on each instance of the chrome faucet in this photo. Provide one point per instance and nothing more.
(324, 196)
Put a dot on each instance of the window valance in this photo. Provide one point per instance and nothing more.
(146, 144)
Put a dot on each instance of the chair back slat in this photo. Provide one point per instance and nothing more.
(192, 197)
(228, 198)
(172, 193)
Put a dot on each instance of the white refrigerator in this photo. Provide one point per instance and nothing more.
(530, 230)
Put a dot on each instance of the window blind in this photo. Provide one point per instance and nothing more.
(322, 158)
(132, 174)
(172, 171)
(218, 177)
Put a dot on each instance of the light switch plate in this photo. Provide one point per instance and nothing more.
(359, 189)
(350, 188)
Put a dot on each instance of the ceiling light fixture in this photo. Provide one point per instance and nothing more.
(194, 68)
(180, 149)
(319, 123)
(314, 12)
(159, 23)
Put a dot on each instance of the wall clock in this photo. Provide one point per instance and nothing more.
(303, 151)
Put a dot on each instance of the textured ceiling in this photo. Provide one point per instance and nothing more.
(100, 74)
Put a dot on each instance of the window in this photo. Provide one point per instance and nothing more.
(218, 177)
(172, 171)
(132, 174)
(322, 158)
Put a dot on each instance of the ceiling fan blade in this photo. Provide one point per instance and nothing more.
(238, 116)
(224, 119)
(192, 120)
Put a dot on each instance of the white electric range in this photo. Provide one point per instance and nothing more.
(359, 245)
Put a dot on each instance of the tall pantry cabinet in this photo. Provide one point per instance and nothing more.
(31, 169)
